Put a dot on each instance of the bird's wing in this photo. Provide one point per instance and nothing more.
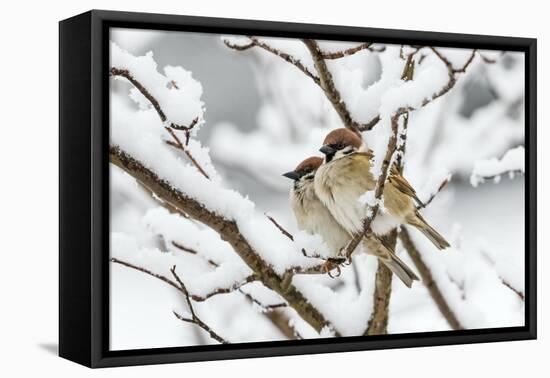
(401, 183)
(368, 154)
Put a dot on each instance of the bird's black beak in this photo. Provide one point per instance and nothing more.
(327, 150)
(292, 175)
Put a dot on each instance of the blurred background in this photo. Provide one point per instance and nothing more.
(263, 116)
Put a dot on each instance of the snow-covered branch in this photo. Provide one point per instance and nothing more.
(512, 163)
(332, 93)
(228, 231)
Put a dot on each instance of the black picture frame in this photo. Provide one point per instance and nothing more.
(84, 188)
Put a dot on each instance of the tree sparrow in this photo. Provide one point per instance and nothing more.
(346, 176)
(313, 217)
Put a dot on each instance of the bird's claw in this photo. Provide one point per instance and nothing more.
(331, 264)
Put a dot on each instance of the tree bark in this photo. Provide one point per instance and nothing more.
(227, 229)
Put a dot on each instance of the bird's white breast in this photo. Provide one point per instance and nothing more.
(313, 217)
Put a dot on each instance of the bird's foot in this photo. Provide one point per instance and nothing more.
(331, 264)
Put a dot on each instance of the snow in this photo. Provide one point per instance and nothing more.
(292, 119)
(512, 162)
(181, 106)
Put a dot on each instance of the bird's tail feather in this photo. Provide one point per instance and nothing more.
(400, 269)
(435, 237)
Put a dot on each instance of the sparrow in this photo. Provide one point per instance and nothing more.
(314, 217)
(345, 176)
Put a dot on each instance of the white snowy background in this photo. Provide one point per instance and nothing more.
(259, 116)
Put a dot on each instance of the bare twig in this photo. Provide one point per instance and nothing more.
(225, 290)
(226, 228)
(128, 76)
(194, 317)
(263, 306)
(281, 54)
(350, 51)
(147, 271)
(192, 251)
(428, 280)
(177, 144)
(433, 195)
(519, 293)
(285, 232)
(492, 261)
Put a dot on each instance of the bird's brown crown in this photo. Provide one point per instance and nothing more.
(343, 137)
(310, 164)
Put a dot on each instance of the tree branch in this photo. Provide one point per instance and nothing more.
(178, 145)
(378, 322)
(192, 251)
(350, 51)
(379, 189)
(285, 232)
(187, 129)
(224, 290)
(434, 194)
(326, 83)
(194, 318)
(428, 280)
(281, 54)
(228, 231)
(519, 293)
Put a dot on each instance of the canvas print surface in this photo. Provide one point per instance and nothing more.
(267, 189)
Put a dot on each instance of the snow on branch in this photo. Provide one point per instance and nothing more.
(330, 85)
(125, 59)
(326, 82)
(228, 230)
(512, 163)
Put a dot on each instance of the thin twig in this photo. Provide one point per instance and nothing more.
(192, 251)
(147, 271)
(194, 317)
(350, 51)
(519, 293)
(281, 54)
(263, 306)
(434, 194)
(128, 76)
(285, 232)
(225, 290)
(177, 144)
